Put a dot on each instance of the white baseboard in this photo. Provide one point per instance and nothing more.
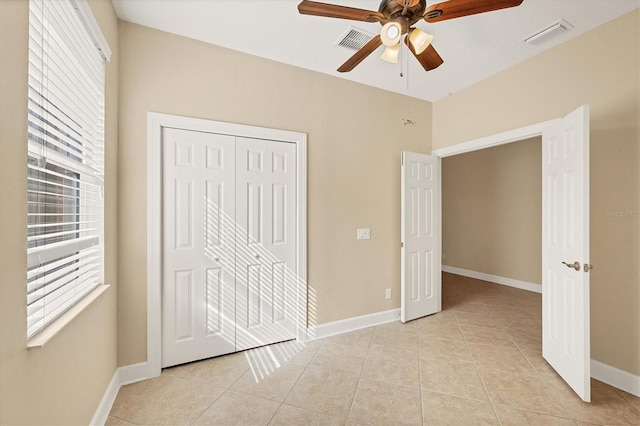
(122, 376)
(109, 397)
(351, 324)
(523, 285)
(132, 373)
(615, 377)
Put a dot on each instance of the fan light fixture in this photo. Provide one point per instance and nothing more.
(391, 53)
(420, 40)
(391, 33)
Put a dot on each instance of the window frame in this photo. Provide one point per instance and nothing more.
(65, 255)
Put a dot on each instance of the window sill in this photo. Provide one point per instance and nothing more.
(43, 337)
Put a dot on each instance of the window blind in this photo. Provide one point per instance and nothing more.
(65, 146)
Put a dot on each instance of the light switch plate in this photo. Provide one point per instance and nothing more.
(363, 234)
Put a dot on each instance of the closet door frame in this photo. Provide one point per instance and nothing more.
(155, 123)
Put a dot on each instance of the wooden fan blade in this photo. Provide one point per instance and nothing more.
(361, 54)
(429, 59)
(336, 11)
(459, 8)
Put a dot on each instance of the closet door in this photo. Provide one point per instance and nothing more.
(266, 283)
(198, 284)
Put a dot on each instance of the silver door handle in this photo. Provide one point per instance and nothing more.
(575, 265)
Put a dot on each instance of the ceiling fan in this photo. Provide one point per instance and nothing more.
(397, 18)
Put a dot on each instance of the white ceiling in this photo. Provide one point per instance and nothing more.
(473, 47)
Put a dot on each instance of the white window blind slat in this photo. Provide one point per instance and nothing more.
(65, 143)
(35, 274)
(62, 278)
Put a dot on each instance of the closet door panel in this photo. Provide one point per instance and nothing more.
(198, 290)
(265, 242)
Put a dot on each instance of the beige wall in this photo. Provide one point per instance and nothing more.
(492, 211)
(600, 68)
(355, 135)
(63, 382)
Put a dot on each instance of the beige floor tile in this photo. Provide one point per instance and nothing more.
(397, 340)
(289, 415)
(607, 406)
(548, 374)
(324, 391)
(383, 369)
(220, 371)
(234, 408)
(439, 409)
(503, 311)
(296, 352)
(180, 370)
(527, 341)
(355, 338)
(472, 306)
(397, 333)
(444, 329)
(501, 358)
(476, 319)
(290, 352)
(275, 385)
(332, 356)
(114, 421)
(378, 403)
(445, 350)
(452, 379)
(631, 399)
(529, 393)
(394, 355)
(513, 417)
(522, 324)
(164, 400)
(486, 336)
(397, 327)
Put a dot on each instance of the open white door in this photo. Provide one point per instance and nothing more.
(421, 263)
(565, 247)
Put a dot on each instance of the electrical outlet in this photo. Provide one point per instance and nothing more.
(388, 294)
(363, 234)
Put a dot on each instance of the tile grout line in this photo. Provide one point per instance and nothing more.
(304, 370)
(353, 400)
(537, 375)
(420, 374)
(475, 365)
(219, 396)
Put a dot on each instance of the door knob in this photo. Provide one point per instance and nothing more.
(575, 265)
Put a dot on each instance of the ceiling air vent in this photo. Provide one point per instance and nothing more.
(354, 38)
(546, 33)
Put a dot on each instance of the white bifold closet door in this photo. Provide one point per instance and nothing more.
(228, 243)
(265, 242)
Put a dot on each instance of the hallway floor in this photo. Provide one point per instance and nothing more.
(477, 362)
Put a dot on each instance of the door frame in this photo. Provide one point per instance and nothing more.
(515, 135)
(155, 123)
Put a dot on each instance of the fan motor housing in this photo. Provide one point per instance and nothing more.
(392, 11)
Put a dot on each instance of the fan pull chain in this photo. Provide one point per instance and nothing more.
(400, 57)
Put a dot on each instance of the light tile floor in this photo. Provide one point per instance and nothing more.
(476, 362)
